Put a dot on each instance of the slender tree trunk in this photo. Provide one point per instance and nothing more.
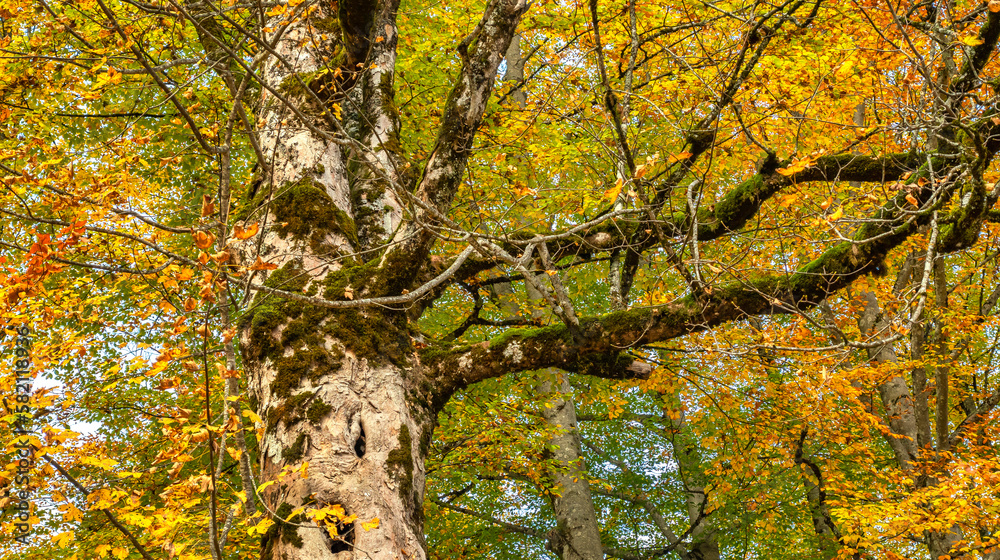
(578, 536)
(704, 543)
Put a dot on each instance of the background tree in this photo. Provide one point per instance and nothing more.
(267, 249)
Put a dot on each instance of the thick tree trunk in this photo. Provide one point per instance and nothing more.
(348, 410)
(347, 420)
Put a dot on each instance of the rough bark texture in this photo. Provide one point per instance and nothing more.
(333, 393)
(342, 390)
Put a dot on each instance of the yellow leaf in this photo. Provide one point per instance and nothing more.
(261, 527)
(788, 199)
(369, 525)
(614, 191)
(845, 69)
(678, 157)
(102, 550)
(839, 213)
(522, 190)
(972, 41)
(120, 552)
(63, 539)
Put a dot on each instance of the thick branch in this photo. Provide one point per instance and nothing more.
(481, 54)
(596, 344)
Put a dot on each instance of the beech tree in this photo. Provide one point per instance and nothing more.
(266, 248)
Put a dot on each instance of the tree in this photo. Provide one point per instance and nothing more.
(328, 219)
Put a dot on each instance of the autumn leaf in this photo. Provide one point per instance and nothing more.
(203, 239)
(246, 233)
(788, 199)
(614, 191)
(521, 189)
(63, 539)
(796, 166)
(261, 265)
(674, 158)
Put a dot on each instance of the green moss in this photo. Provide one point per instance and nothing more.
(295, 451)
(328, 25)
(309, 357)
(317, 411)
(433, 351)
(375, 335)
(554, 332)
(635, 320)
(289, 411)
(285, 531)
(401, 459)
(307, 212)
(247, 206)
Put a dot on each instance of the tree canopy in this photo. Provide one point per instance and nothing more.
(331, 279)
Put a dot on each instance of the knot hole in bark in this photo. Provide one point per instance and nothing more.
(354, 433)
(359, 444)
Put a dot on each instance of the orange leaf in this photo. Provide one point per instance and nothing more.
(614, 191)
(207, 206)
(203, 239)
(246, 233)
(678, 157)
(261, 265)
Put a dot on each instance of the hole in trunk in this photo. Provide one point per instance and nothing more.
(343, 541)
(359, 444)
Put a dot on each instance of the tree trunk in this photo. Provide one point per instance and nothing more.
(347, 419)
(578, 536)
(348, 410)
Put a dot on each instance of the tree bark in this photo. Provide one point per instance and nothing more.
(348, 410)
(578, 536)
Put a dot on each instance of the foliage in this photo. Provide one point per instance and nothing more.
(785, 210)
